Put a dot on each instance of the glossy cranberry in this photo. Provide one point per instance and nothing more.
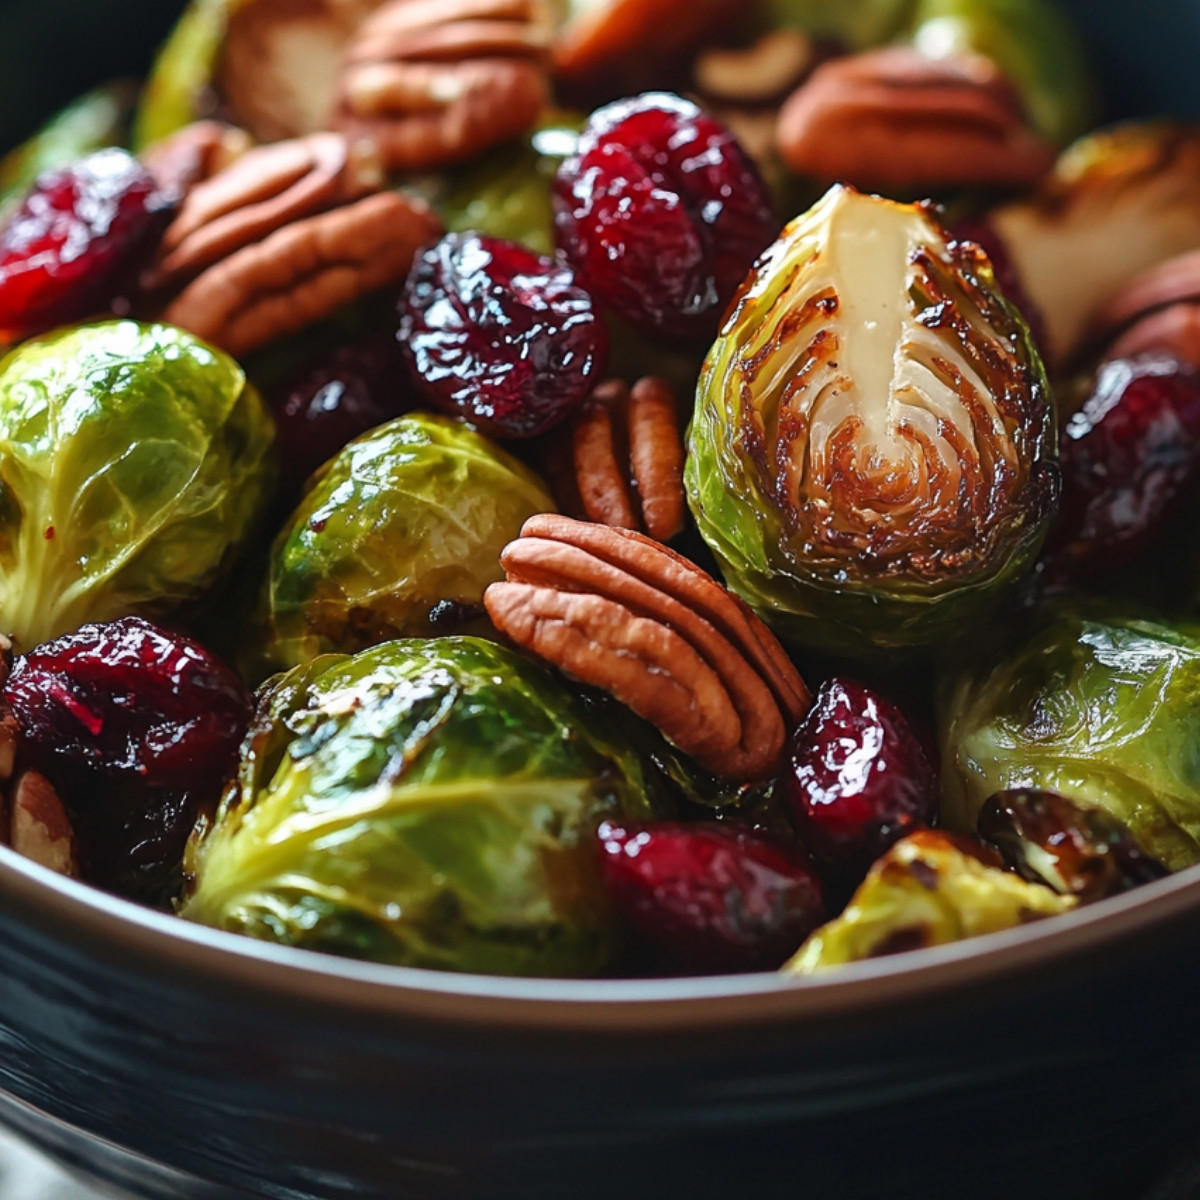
(985, 235)
(858, 779)
(128, 699)
(499, 335)
(317, 412)
(75, 240)
(662, 213)
(1128, 457)
(706, 898)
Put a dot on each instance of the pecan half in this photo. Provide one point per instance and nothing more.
(614, 609)
(282, 238)
(1158, 310)
(895, 118)
(431, 82)
(628, 456)
(39, 827)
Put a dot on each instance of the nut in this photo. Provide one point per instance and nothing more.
(40, 829)
(282, 238)
(614, 609)
(617, 475)
(768, 70)
(896, 119)
(1158, 310)
(195, 153)
(431, 82)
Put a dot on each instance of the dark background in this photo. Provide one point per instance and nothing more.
(52, 50)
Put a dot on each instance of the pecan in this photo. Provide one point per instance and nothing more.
(897, 119)
(614, 609)
(431, 82)
(193, 154)
(630, 474)
(39, 827)
(280, 239)
(1158, 310)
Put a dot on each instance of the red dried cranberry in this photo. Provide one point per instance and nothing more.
(662, 213)
(706, 898)
(77, 237)
(128, 699)
(317, 413)
(858, 779)
(499, 335)
(985, 235)
(1128, 457)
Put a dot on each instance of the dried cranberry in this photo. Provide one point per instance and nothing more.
(77, 237)
(499, 335)
(316, 413)
(662, 213)
(705, 898)
(858, 779)
(128, 699)
(985, 235)
(1128, 457)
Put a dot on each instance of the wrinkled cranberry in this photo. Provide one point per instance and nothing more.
(662, 213)
(126, 698)
(1128, 457)
(499, 335)
(316, 413)
(858, 779)
(985, 235)
(706, 898)
(76, 239)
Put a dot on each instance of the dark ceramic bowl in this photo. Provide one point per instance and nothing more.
(1062, 1059)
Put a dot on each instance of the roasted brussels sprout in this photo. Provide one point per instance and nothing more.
(133, 461)
(428, 802)
(856, 24)
(1104, 710)
(1118, 202)
(872, 456)
(1030, 41)
(398, 533)
(928, 889)
(1073, 848)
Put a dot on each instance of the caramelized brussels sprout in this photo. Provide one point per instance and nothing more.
(430, 803)
(134, 460)
(928, 889)
(397, 535)
(872, 456)
(1073, 848)
(1104, 710)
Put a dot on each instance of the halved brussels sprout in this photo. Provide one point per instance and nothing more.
(1030, 41)
(1104, 710)
(398, 535)
(928, 889)
(873, 453)
(1117, 202)
(134, 460)
(430, 803)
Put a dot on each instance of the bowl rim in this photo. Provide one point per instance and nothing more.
(171, 949)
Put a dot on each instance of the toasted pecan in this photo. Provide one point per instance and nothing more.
(895, 118)
(617, 610)
(193, 154)
(431, 82)
(39, 828)
(1159, 310)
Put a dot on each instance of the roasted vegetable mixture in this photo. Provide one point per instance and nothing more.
(625, 487)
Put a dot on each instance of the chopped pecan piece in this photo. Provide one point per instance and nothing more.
(282, 238)
(895, 118)
(432, 82)
(1158, 311)
(617, 610)
(39, 827)
(628, 457)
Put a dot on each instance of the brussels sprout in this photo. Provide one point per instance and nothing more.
(133, 461)
(928, 889)
(1118, 202)
(1073, 848)
(93, 122)
(872, 455)
(403, 527)
(857, 24)
(1104, 710)
(1030, 41)
(427, 802)
(507, 193)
